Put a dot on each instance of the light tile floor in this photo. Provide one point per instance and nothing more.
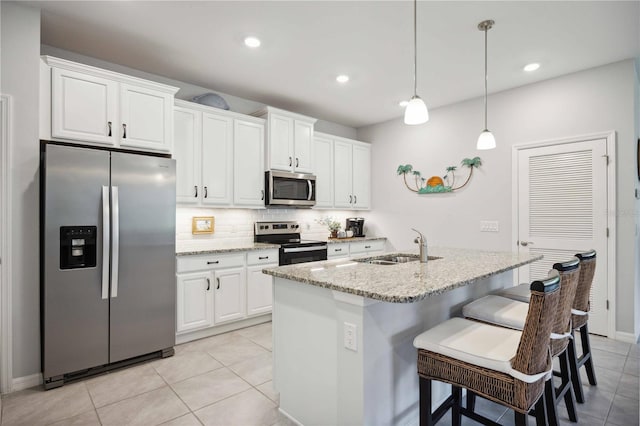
(226, 380)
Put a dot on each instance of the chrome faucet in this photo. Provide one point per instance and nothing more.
(421, 240)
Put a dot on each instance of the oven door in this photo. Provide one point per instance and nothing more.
(293, 255)
(290, 189)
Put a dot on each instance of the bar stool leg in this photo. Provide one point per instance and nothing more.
(520, 418)
(576, 381)
(471, 400)
(549, 396)
(541, 412)
(456, 417)
(425, 402)
(587, 355)
(567, 389)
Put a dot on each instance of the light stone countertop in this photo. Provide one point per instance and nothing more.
(195, 247)
(404, 282)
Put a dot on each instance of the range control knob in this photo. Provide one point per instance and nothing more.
(297, 226)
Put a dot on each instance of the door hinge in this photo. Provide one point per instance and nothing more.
(607, 232)
(607, 304)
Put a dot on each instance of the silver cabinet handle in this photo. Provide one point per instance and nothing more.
(526, 243)
(297, 162)
(262, 194)
(218, 279)
(350, 199)
(109, 126)
(124, 131)
(263, 257)
(206, 192)
(106, 240)
(196, 188)
(355, 199)
(310, 190)
(213, 262)
(290, 162)
(115, 252)
(208, 284)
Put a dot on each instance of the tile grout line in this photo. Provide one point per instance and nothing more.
(178, 396)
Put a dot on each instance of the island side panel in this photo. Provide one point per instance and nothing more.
(390, 360)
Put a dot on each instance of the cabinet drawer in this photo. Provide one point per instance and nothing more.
(335, 250)
(211, 261)
(262, 256)
(366, 246)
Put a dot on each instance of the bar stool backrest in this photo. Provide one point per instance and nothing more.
(532, 356)
(569, 274)
(587, 271)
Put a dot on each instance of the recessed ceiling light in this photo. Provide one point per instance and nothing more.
(531, 67)
(342, 78)
(252, 42)
(403, 104)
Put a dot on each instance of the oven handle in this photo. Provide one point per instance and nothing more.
(310, 190)
(301, 249)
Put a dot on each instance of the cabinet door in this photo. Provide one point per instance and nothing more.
(259, 290)
(230, 294)
(361, 176)
(217, 159)
(195, 301)
(323, 167)
(342, 174)
(280, 142)
(83, 107)
(186, 152)
(248, 164)
(302, 148)
(146, 118)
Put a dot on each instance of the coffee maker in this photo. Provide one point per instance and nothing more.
(356, 224)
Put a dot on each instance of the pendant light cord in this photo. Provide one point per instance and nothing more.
(486, 30)
(415, 48)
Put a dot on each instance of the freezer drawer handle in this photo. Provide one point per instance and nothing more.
(213, 262)
(208, 284)
(105, 242)
(218, 279)
(109, 125)
(115, 253)
(124, 131)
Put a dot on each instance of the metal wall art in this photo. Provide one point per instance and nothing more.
(437, 184)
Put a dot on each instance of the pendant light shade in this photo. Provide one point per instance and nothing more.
(486, 139)
(416, 111)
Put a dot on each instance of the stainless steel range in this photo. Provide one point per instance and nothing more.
(292, 248)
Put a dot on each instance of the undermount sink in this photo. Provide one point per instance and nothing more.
(393, 259)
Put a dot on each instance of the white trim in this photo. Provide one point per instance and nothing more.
(623, 336)
(6, 340)
(26, 382)
(610, 137)
(219, 329)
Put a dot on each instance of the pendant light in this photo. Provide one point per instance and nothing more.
(416, 111)
(486, 139)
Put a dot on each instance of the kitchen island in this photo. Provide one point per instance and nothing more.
(343, 330)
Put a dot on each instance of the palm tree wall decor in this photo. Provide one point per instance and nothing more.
(437, 184)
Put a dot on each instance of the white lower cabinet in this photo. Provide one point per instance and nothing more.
(229, 294)
(363, 248)
(195, 301)
(222, 289)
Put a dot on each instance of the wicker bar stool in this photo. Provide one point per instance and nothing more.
(507, 366)
(505, 312)
(579, 319)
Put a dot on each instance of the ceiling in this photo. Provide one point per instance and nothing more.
(306, 44)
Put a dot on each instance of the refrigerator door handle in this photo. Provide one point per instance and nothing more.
(106, 241)
(115, 253)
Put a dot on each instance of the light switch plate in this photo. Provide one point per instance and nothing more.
(489, 226)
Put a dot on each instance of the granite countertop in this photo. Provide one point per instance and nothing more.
(404, 282)
(352, 239)
(195, 247)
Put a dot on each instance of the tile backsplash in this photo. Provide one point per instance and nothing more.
(236, 225)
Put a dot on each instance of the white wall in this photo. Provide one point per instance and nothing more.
(20, 47)
(188, 91)
(595, 100)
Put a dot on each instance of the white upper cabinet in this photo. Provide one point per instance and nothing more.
(351, 173)
(323, 167)
(289, 140)
(219, 157)
(95, 106)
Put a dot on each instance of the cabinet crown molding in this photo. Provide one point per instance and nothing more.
(112, 75)
(212, 110)
(271, 110)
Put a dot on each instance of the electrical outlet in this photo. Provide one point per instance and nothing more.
(489, 226)
(351, 336)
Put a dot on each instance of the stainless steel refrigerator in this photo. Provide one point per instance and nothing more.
(107, 259)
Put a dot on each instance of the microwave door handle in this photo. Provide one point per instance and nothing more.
(310, 190)
(106, 241)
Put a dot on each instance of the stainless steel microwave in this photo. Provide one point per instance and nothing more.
(289, 189)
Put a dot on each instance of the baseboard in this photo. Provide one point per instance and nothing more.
(626, 337)
(25, 382)
(219, 329)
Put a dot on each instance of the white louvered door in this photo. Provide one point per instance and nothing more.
(562, 210)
